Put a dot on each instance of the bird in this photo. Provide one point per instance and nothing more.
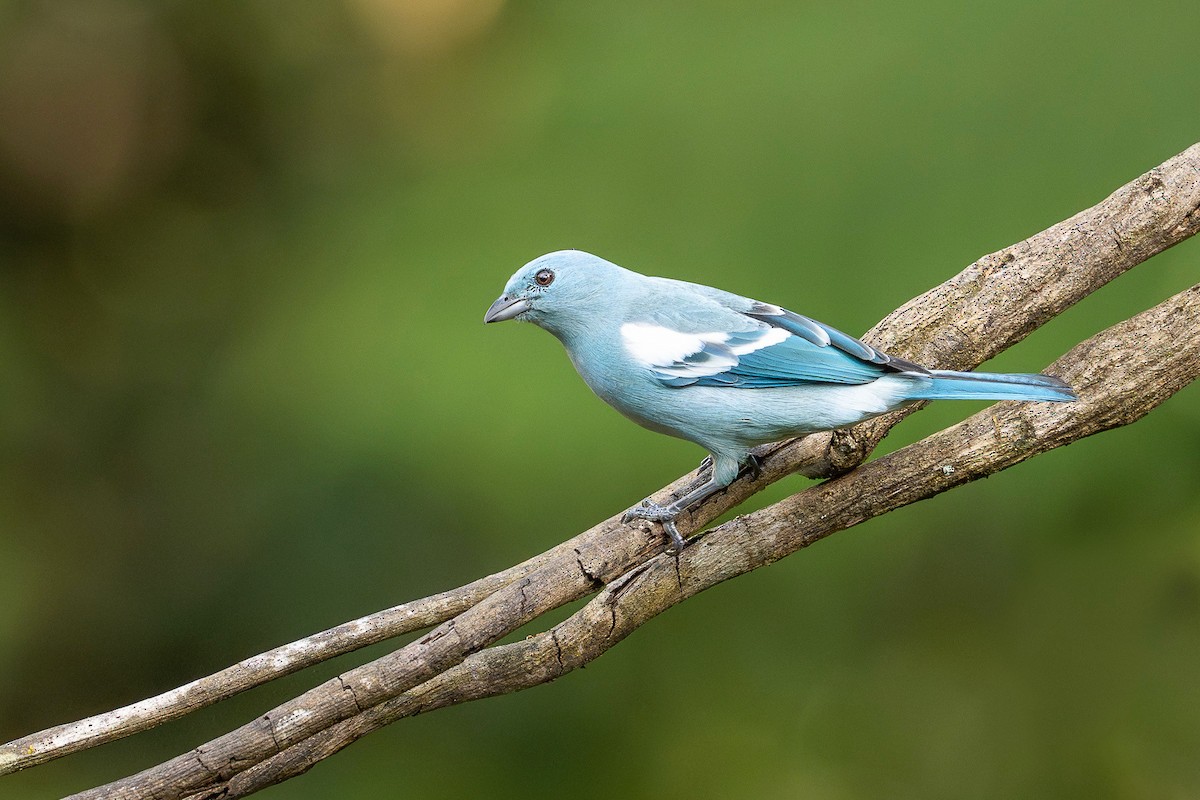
(726, 372)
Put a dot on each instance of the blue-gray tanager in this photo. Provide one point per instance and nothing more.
(726, 372)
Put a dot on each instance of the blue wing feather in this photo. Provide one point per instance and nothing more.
(792, 361)
(812, 353)
(821, 334)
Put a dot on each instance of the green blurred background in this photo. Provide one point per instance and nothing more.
(247, 393)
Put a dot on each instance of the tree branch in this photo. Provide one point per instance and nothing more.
(1118, 384)
(284, 660)
(1005, 295)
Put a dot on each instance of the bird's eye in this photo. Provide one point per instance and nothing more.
(544, 277)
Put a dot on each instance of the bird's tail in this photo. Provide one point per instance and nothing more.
(948, 385)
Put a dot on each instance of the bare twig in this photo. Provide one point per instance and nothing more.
(1005, 295)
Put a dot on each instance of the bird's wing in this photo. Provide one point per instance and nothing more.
(753, 347)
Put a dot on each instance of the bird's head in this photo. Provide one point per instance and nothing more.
(557, 290)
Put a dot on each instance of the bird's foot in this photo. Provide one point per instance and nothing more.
(664, 515)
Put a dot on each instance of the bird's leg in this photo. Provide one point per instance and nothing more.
(708, 483)
(666, 515)
(705, 474)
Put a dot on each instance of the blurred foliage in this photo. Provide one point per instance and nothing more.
(245, 249)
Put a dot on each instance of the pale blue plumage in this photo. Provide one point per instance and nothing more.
(721, 370)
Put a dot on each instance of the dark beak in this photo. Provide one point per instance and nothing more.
(506, 307)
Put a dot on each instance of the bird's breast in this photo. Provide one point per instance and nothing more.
(625, 385)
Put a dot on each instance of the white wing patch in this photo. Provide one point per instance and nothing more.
(675, 354)
(769, 336)
(656, 346)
